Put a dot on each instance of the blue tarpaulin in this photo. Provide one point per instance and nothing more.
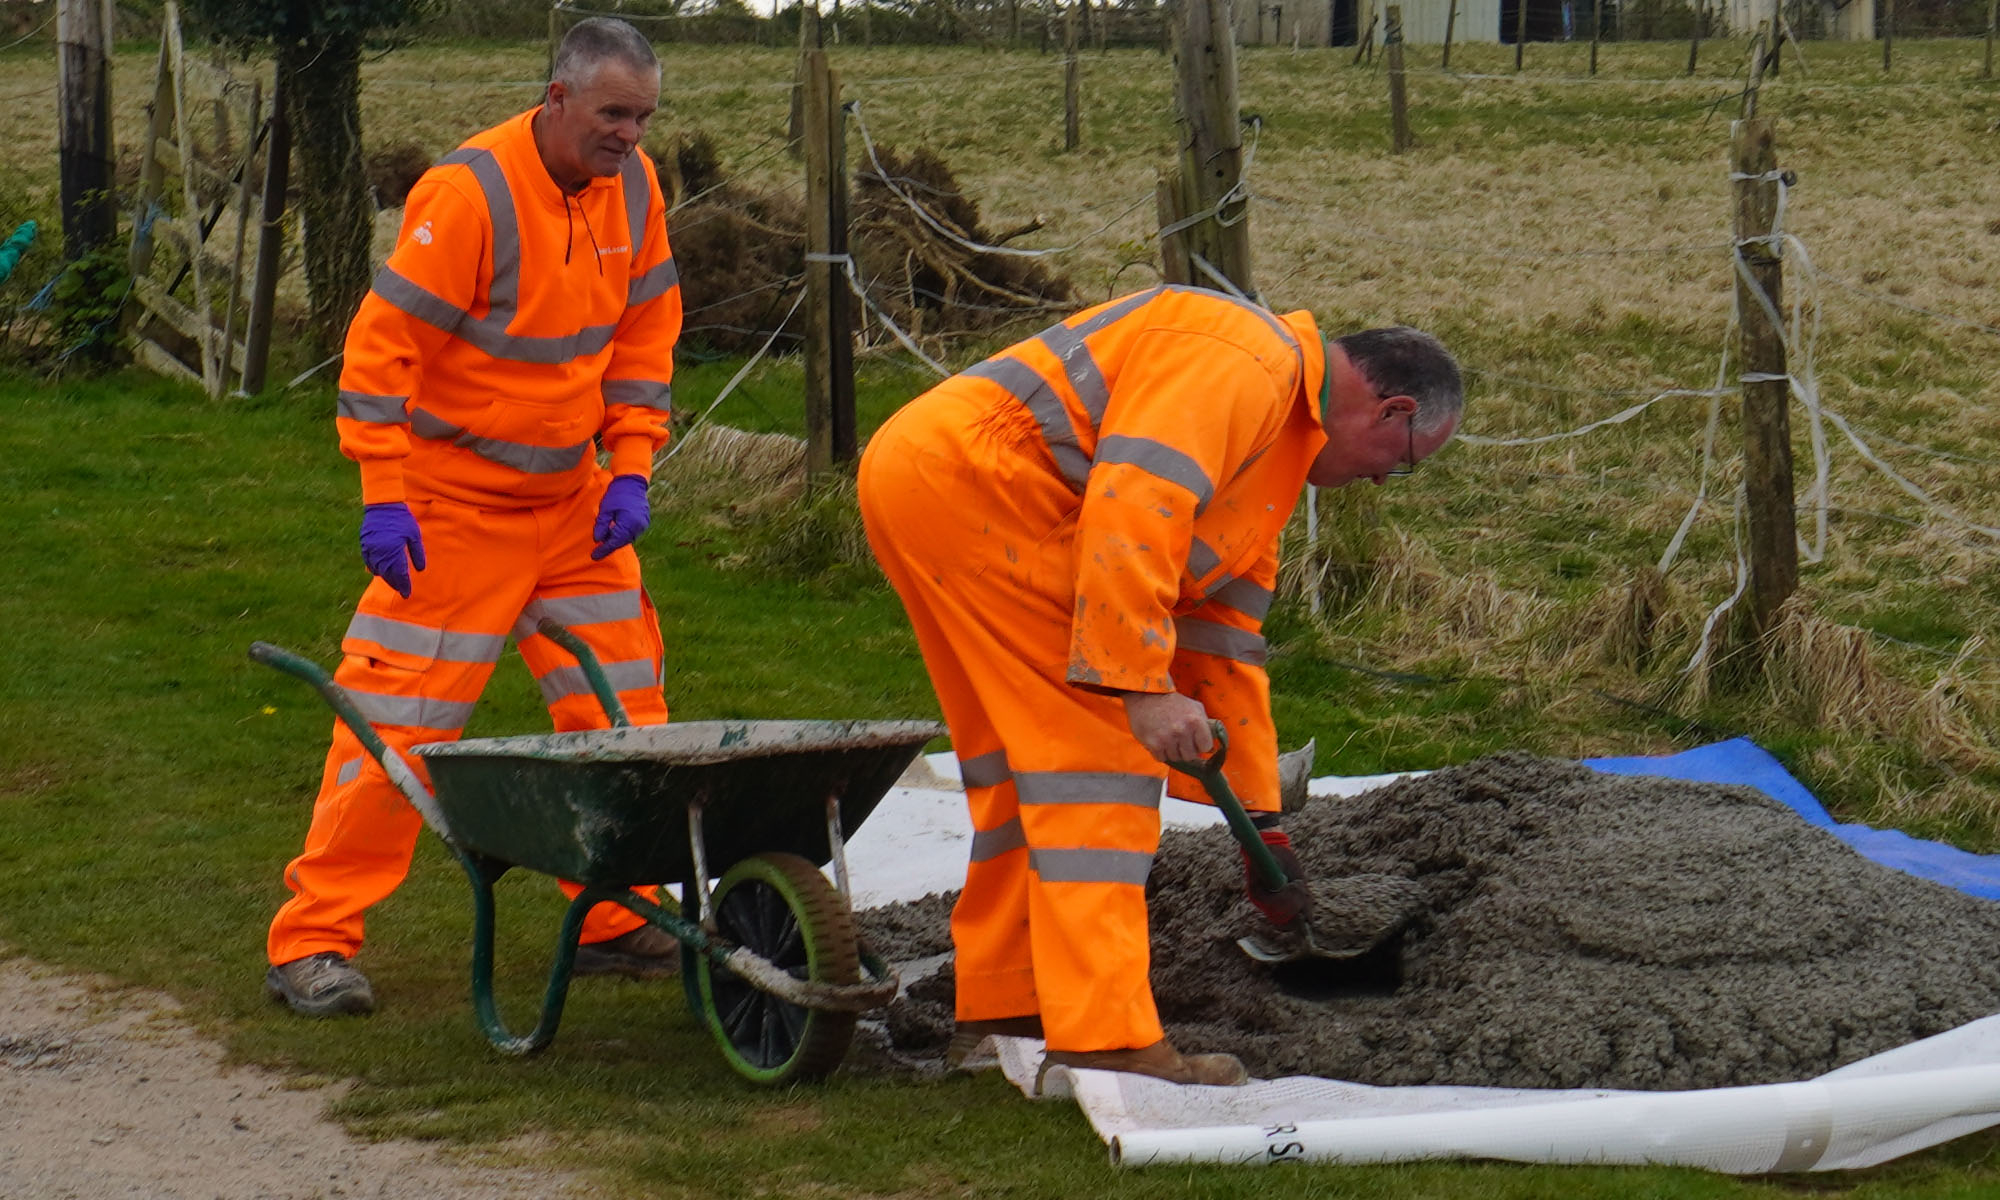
(1742, 761)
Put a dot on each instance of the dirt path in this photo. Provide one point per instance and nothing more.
(109, 1093)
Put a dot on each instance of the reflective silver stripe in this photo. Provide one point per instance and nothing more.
(487, 333)
(1245, 596)
(1088, 787)
(1277, 326)
(1068, 347)
(426, 642)
(1201, 558)
(656, 282)
(1090, 866)
(376, 410)
(1117, 312)
(984, 770)
(348, 773)
(530, 460)
(1021, 382)
(498, 343)
(638, 198)
(640, 393)
(503, 295)
(989, 844)
(1220, 641)
(1161, 460)
(415, 712)
(416, 300)
(579, 610)
(564, 682)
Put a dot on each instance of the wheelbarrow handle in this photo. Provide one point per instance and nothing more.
(1209, 772)
(593, 670)
(300, 667)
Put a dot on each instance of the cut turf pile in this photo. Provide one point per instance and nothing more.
(1577, 930)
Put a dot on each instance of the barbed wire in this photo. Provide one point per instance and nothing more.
(924, 215)
(741, 373)
(30, 35)
(1879, 298)
(1339, 229)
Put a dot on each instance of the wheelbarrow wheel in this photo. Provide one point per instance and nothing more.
(779, 907)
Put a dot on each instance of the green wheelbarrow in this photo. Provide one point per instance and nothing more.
(771, 959)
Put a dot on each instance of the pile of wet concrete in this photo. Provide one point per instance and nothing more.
(1574, 929)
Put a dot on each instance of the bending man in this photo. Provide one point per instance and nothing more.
(1084, 530)
(525, 320)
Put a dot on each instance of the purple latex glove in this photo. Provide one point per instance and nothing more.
(622, 516)
(388, 533)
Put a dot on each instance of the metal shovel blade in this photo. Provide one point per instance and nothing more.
(1347, 918)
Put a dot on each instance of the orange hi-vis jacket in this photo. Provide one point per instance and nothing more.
(512, 327)
(1175, 427)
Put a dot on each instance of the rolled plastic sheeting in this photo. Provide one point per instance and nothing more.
(1867, 1112)
(1821, 1124)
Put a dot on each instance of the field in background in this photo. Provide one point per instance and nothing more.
(1567, 236)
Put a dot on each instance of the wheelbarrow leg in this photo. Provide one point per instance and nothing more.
(483, 873)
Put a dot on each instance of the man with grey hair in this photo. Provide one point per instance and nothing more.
(506, 385)
(1084, 530)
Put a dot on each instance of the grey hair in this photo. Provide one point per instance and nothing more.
(1401, 361)
(596, 40)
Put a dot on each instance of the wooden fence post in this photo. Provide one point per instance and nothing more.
(270, 241)
(1767, 430)
(1700, 18)
(1992, 11)
(1174, 265)
(1070, 80)
(1211, 142)
(1450, 23)
(1520, 31)
(809, 39)
(1596, 30)
(83, 71)
(1399, 109)
(830, 433)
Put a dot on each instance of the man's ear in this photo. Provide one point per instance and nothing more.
(1396, 406)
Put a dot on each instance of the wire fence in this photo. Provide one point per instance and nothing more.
(1839, 452)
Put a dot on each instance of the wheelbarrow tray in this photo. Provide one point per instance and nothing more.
(610, 806)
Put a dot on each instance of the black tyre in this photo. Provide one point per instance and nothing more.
(779, 907)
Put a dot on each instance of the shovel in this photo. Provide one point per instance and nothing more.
(1340, 919)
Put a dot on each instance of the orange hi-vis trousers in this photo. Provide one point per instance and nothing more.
(416, 667)
(1064, 801)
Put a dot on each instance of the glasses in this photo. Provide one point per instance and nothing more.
(1409, 465)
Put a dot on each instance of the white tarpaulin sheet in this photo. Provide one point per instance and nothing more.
(1865, 1113)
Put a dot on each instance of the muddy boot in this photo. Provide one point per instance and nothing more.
(1159, 1060)
(968, 1038)
(647, 952)
(320, 985)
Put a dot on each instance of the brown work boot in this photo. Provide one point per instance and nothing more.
(647, 952)
(1159, 1060)
(968, 1037)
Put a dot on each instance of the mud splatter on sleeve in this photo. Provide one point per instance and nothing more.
(1179, 423)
